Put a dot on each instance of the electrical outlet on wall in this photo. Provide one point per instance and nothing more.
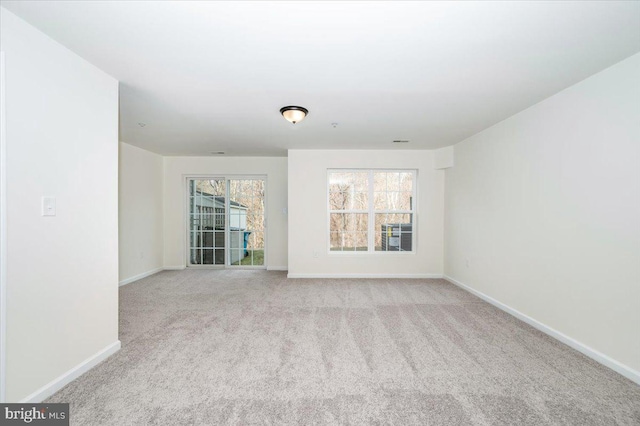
(315, 253)
(466, 262)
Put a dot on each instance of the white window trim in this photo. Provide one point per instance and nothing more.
(371, 212)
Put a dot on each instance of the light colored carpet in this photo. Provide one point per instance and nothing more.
(203, 347)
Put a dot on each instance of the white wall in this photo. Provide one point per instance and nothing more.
(140, 213)
(308, 216)
(175, 169)
(545, 206)
(62, 271)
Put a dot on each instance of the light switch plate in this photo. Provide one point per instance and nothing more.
(48, 206)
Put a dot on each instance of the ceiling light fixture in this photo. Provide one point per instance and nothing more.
(294, 114)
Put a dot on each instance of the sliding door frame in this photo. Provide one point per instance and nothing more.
(227, 233)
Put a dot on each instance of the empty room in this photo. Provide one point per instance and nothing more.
(319, 213)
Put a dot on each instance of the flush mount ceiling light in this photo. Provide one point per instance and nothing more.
(294, 114)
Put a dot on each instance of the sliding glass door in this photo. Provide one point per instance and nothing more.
(226, 223)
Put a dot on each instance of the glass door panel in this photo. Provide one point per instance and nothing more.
(207, 221)
(246, 222)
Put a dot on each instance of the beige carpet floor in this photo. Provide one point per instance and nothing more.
(202, 347)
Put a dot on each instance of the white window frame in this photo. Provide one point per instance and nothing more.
(371, 212)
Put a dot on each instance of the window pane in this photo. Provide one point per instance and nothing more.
(393, 191)
(348, 200)
(236, 239)
(393, 200)
(349, 222)
(348, 231)
(406, 181)
(348, 241)
(208, 222)
(348, 181)
(208, 257)
(240, 188)
(241, 202)
(206, 239)
(257, 185)
(255, 222)
(237, 220)
(335, 241)
(236, 256)
(392, 181)
(361, 241)
(393, 232)
(219, 221)
(209, 188)
(255, 240)
(348, 190)
(257, 257)
(219, 257)
(195, 256)
(219, 239)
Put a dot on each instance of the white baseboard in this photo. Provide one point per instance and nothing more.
(174, 268)
(603, 359)
(277, 268)
(409, 276)
(139, 276)
(54, 386)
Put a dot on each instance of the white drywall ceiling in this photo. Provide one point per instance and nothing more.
(212, 76)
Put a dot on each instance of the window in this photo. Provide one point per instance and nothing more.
(371, 210)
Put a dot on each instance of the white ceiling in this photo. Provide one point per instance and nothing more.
(212, 76)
